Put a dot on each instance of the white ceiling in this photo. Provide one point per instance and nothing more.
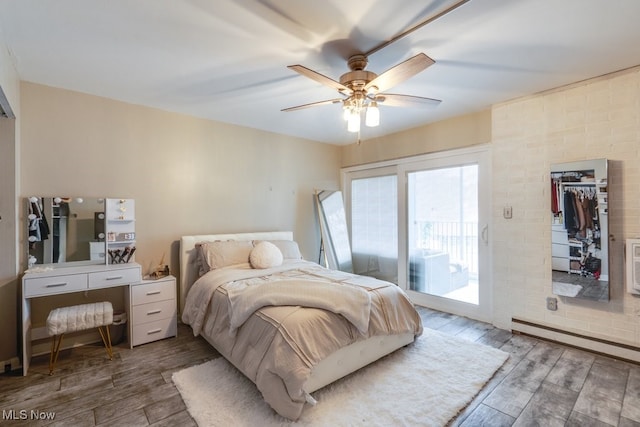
(227, 60)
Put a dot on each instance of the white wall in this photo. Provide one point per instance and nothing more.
(458, 132)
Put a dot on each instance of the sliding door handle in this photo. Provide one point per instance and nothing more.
(484, 235)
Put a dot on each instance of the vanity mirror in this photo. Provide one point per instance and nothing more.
(580, 230)
(63, 230)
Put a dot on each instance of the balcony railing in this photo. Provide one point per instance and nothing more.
(458, 239)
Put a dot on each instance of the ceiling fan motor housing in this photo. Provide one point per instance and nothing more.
(356, 80)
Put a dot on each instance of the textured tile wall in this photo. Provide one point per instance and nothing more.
(599, 118)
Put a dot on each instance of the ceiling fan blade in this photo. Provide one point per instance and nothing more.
(396, 100)
(320, 78)
(313, 104)
(401, 72)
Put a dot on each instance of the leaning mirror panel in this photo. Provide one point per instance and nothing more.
(336, 250)
(580, 230)
(63, 230)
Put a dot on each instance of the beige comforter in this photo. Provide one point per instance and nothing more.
(276, 324)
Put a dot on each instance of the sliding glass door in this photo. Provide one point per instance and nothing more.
(442, 238)
(423, 223)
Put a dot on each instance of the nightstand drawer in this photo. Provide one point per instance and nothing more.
(37, 286)
(114, 277)
(153, 331)
(159, 290)
(154, 311)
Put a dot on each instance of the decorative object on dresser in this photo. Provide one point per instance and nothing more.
(426, 384)
(159, 271)
(291, 328)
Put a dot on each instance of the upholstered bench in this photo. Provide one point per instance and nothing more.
(78, 318)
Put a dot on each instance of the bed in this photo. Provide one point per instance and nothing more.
(279, 323)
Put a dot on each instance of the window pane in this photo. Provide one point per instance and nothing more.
(443, 232)
(374, 227)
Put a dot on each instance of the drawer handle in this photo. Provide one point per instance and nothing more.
(154, 312)
(114, 278)
(56, 285)
(154, 331)
(153, 292)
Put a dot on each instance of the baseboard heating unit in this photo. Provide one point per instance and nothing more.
(614, 349)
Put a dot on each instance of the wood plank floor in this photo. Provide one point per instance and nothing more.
(542, 384)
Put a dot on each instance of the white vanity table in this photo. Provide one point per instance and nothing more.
(150, 304)
(67, 280)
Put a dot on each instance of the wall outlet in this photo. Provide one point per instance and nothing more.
(507, 212)
(10, 365)
(552, 303)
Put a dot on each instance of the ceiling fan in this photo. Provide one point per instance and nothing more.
(362, 90)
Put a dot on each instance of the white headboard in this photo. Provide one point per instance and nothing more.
(188, 265)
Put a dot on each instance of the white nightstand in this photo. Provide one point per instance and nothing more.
(153, 310)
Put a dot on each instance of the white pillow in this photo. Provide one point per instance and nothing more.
(218, 254)
(289, 248)
(265, 255)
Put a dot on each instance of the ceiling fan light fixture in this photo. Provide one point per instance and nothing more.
(372, 117)
(353, 124)
(346, 111)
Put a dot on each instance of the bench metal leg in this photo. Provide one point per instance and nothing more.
(106, 339)
(56, 341)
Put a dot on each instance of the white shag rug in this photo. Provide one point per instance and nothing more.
(425, 384)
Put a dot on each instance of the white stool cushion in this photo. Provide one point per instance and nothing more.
(79, 317)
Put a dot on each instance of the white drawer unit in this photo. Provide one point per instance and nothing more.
(114, 277)
(154, 331)
(154, 310)
(52, 285)
(154, 290)
(559, 248)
